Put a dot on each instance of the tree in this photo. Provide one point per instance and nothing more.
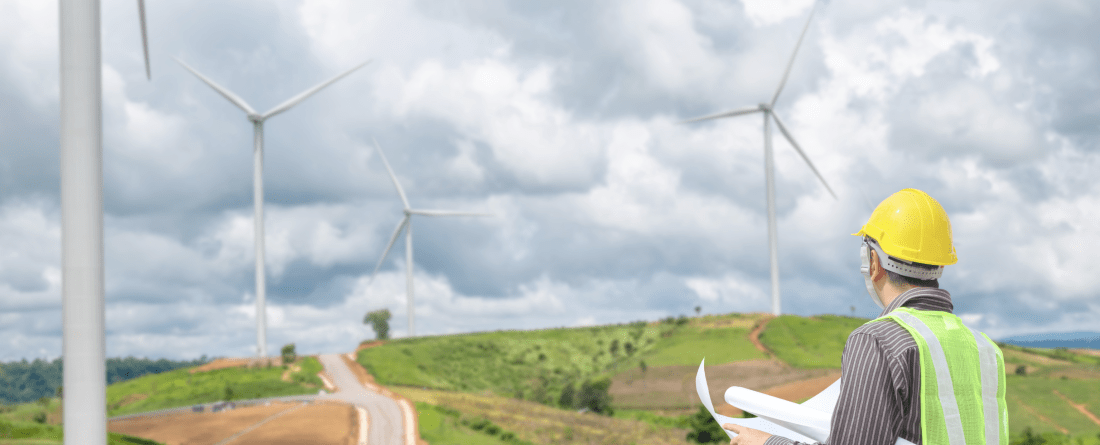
(614, 348)
(641, 364)
(288, 354)
(594, 395)
(698, 309)
(566, 399)
(704, 429)
(379, 321)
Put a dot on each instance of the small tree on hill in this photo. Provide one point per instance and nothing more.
(288, 354)
(566, 399)
(379, 321)
(698, 309)
(595, 396)
(614, 348)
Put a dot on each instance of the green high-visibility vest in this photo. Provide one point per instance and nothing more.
(962, 395)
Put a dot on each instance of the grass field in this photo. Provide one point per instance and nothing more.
(530, 365)
(37, 423)
(815, 342)
(182, 388)
(540, 424)
(536, 365)
(444, 426)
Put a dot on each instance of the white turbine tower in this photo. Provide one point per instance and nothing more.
(769, 113)
(81, 157)
(257, 120)
(406, 224)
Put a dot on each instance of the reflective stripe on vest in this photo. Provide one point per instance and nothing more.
(943, 378)
(974, 405)
(987, 356)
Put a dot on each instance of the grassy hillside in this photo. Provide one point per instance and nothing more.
(38, 424)
(815, 342)
(536, 365)
(182, 388)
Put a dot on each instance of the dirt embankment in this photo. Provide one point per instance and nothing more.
(223, 363)
(754, 336)
(323, 423)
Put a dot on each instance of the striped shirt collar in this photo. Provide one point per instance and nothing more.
(922, 298)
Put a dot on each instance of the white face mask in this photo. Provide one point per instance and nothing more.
(865, 269)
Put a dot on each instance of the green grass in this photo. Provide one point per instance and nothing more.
(531, 365)
(310, 366)
(443, 426)
(816, 342)
(1038, 393)
(181, 388)
(652, 418)
(18, 427)
(690, 344)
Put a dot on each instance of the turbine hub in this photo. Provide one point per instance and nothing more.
(765, 107)
(255, 118)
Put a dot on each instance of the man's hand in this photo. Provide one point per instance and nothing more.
(746, 435)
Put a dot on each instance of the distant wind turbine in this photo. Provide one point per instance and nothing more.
(144, 38)
(769, 112)
(406, 224)
(258, 183)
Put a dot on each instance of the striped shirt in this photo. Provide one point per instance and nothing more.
(880, 391)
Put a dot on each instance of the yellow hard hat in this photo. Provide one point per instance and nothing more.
(911, 226)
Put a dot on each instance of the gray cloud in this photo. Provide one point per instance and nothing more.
(560, 120)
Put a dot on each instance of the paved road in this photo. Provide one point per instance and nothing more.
(384, 414)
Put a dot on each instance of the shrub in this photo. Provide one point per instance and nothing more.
(288, 354)
(1021, 370)
(566, 398)
(594, 396)
(703, 428)
(40, 417)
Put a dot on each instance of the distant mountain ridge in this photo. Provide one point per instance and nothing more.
(1071, 340)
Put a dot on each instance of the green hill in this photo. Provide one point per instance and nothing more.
(182, 388)
(536, 365)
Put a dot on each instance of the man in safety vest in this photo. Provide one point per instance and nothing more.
(916, 374)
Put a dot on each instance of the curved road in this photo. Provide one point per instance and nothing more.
(384, 420)
(383, 413)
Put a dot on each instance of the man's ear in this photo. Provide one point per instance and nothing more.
(877, 271)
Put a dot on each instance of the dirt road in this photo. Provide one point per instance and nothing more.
(383, 413)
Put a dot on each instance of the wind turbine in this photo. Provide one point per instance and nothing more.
(406, 224)
(144, 38)
(81, 157)
(257, 120)
(768, 109)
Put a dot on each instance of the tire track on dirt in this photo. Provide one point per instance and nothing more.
(1080, 407)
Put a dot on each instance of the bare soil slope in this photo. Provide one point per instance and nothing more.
(317, 423)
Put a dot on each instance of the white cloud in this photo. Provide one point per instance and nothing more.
(767, 12)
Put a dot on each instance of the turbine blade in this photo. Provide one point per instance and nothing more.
(723, 114)
(447, 213)
(787, 134)
(790, 63)
(393, 239)
(400, 191)
(144, 38)
(303, 95)
(240, 103)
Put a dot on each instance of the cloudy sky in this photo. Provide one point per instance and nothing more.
(561, 119)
